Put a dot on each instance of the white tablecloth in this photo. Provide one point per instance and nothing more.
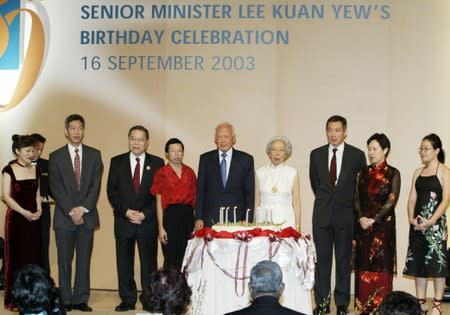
(218, 271)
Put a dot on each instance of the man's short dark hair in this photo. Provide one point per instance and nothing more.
(141, 128)
(31, 289)
(73, 117)
(38, 137)
(400, 303)
(337, 118)
(266, 277)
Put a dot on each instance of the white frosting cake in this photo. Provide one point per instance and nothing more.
(230, 227)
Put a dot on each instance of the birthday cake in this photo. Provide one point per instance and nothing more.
(244, 226)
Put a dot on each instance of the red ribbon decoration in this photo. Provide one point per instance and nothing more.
(209, 234)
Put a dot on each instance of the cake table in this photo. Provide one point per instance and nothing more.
(218, 264)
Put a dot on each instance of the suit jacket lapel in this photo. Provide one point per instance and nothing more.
(233, 166)
(127, 173)
(68, 167)
(145, 180)
(344, 167)
(215, 168)
(324, 164)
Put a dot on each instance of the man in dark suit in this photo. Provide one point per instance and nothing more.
(332, 171)
(75, 172)
(129, 181)
(225, 179)
(265, 288)
(45, 196)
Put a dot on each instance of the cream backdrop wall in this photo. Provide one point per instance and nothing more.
(385, 75)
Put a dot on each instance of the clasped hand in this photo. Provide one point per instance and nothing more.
(421, 224)
(30, 216)
(76, 215)
(366, 222)
(134, 216)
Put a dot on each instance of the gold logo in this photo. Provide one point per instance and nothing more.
(34, 56)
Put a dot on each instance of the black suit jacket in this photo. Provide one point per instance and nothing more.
(43, 180)
(239, 190)
(64, 187)
(122, 197)
(265, 305)
(334, 205)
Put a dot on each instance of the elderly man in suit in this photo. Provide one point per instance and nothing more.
(129, 181)
(265, 286)
(75, 172)
(226, 178)
(332, 171)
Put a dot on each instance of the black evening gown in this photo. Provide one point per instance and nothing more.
(427, 251)
(22, 237)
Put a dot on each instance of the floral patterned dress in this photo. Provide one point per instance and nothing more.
(427, 251)
(376, 195)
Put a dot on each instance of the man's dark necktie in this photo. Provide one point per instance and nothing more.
(77, 168)
(223, 169)
(137, 176)
(333, 170)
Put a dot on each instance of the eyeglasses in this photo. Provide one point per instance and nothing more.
(138, 139)
(426, 149)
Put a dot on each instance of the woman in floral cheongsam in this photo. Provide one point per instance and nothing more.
(428, 201)
(376, 195)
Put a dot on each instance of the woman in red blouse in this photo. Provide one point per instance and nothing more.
(174, 186)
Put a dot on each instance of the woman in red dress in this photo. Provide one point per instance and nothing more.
(174, 186)
(20, 191)
(377, 190)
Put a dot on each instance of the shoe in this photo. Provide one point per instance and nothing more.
(67, 307)
(321, 310)
(423, 310)
(123, 307)
(437, 305)
(145, 307)
(82, 307)
(342, 310)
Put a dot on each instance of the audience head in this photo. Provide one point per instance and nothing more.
(74, 131)
(266, 278)
(168, 292)
(138, 140)
(279, 149)
(336, 129)
(378, 147)
(38, 144)
(31, 289)
(400, 303)
(433, 143)
(224, 137)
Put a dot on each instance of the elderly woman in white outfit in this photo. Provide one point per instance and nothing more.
(277, 197)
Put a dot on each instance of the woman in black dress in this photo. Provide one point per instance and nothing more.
(427, 204)
(20, 191)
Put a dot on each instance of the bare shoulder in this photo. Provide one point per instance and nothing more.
(443, 173)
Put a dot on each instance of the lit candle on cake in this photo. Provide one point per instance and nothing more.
(234, 215)
(226, 215)
(221, 215)
(246, 217)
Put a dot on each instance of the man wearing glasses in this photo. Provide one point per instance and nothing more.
(129, 181)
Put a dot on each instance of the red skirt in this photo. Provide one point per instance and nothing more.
(370, 289)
